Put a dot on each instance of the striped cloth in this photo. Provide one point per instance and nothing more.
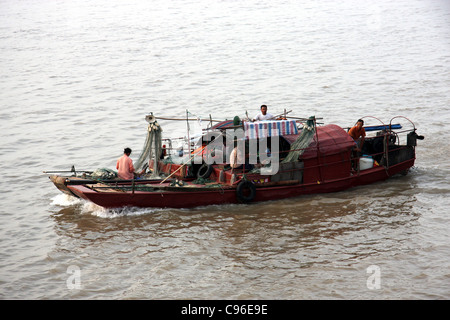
(264, 129)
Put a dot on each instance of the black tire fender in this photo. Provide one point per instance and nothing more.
(245, 191)
(378, 146)
(204, 171)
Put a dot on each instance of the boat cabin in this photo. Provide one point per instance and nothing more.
(329, 154)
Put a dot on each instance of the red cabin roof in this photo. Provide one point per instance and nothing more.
(332, 139)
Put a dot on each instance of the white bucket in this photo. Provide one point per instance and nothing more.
(365, 163)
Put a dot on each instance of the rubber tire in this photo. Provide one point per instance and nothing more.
(243, 186)
(377, 145)
(204, 171)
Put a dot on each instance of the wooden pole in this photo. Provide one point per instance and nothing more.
(188, 130)
(180, 119)
(279, 115)
(190, 159)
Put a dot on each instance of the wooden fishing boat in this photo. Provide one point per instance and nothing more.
(327, 162)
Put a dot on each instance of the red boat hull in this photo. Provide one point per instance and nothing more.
(209, 196)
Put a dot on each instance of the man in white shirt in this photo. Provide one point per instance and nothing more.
(263, 115)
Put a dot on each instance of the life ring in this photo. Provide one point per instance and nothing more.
(245, 191)
(204, 171)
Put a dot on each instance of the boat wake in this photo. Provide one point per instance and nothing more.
(90, 208)
(86, 207)
(65, 200)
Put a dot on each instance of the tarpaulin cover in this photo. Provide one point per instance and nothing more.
(332, 139)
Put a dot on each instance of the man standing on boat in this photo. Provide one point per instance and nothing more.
(263, 115)
(125, 166)
(358, 133)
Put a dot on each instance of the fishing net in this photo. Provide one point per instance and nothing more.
(302, 142)
(104, 174)
(152, 148)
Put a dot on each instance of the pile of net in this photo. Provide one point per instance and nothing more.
(152, 147)
(302, 142)
(104, 174)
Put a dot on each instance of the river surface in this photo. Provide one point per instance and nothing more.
(78, 78)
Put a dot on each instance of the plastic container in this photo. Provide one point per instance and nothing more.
(365, 163)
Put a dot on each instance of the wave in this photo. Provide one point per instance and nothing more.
(65, 200)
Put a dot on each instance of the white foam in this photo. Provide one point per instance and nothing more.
(65, 200)
(93, 209)
(87, 207)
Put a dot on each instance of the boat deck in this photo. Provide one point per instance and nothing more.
(157, 187)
